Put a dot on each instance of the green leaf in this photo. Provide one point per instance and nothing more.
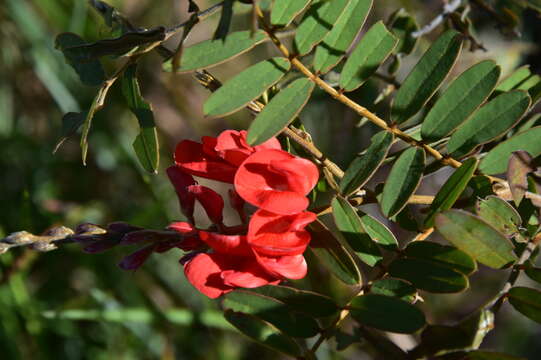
(245, 87)
(284, 11)
(280, 111)
(91, 73)
(426, 77)
(263, 333)
(447, 256)
(350, 225)
(387, 313)
(213, 52)
(478, 355)
(526, 301)
(465, 94)
(379, 232)
(224, 24)
(490, 121)
(126, 43)
(428, 275)
(364, 166)
(394, 287)
(533, 273)
(500, 214)
(307, 302)
(335, 44)
(403, 180)
(402, 25)
(146, 142)
(496, 161)
(374, 47)
(451, 190)
(71, 122)
(476, 238)
(317, 22)
(514, 80)
(273, 311)
(333, 254)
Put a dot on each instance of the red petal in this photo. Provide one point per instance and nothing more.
(181, 181)
(248, 274)
(226, 244)
(204, 273)
(290, 267)
(182, 227)
(272, 143)
(211, 201)
(231, 148)
(301, 174)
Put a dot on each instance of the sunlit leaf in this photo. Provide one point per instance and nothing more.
(284, 11)
(526, 301)
(378, 232)
(403, 180)
(387, 313)
(512, 81)
(469, 90)
(500, 214)
(447, 256)
(280, 111)
(394, 287)
(490, 121)
(245, 87)
(426, 77)
(476, 238)
(317, 22)
(339, 39)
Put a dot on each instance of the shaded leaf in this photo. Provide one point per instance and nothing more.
(273, 311)
(476, 238)
(350, 225)
(465, 94)
(280, 111)
(333, 254)
(500, 214)
(451, 190)
(374, 47)
(387, 313)
(478, 355)
(335, 44)
(533, 272)
(447, 256)
(402, 25)
(213, 52)
(428, 275)
(71, 122)
(496, 161)
(394, 287)
(245, 87)
(284, 11)
(520, 165)
(490, 121)
(526, 301)
(225, 20)
(317, 22)
(364, 166)
(263, 333)
(378, 232)
(402, 181)
(426, 76)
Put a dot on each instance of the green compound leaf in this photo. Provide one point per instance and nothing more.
(280, 111)
(446, 256)
(335, 44)
(500, 214)
(426, 77)
(394, 287)
(284, 11)
(317, 22)
(374, 47)
(263, 333)
(476, 238)
(245, 87)
(526, 301)
(387, 313)
(402, 25)
(213, 52)
(379, 232)
(490, 121)
(451, 190)
(146, 142)
(495, 162)
(307, 302)
(465, 94)
(350, 225)
(403, 180)
(364, 166)
(273, 311)
(333, 254)
(428, 275)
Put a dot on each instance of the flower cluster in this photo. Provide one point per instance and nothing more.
(265, 248)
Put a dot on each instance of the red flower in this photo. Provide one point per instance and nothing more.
(212, 202)
(218, 158)
(276, 181)
(290, 267)
(181, 181)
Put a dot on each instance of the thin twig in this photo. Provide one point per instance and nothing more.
(447, 9)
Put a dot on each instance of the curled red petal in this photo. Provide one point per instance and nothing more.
(249, 274)
(211, 201)
(182, 227)
(272, 143)
(226, 244)
(204, 272)
(290, 267)
(231, 148)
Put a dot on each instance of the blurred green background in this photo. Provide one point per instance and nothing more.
(69, 305)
